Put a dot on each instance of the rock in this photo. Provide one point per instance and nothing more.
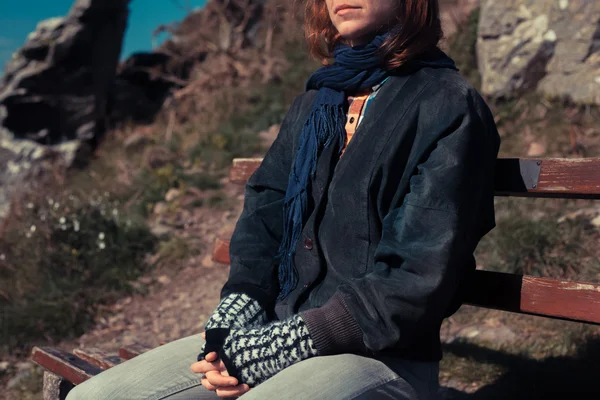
(63, 74)
(137, 140)
(164, 280)
(54, 91)
(24, 365)
(493, 333)
(455, 14)
(4, 366)
(591, 213)
(207, 262)
(162, 232)
(144, 80)
(536, 149)
(172, 194)
(160, 208)
(24, 161)
(545, 45)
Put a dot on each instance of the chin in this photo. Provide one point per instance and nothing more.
(352, 34)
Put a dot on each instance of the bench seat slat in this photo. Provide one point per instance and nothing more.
(133, 350)
(64, 364)
(98, 357)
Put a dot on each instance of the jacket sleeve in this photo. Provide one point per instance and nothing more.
(259, 229)
(426, 239)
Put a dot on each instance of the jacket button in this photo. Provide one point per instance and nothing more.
(308, 243)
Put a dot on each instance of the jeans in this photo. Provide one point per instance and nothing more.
(164, 373)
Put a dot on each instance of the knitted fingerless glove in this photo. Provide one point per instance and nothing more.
(238, 310)
(254, 355)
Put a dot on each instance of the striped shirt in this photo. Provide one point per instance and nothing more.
(357, 108)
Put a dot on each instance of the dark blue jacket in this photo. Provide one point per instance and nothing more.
(392, 224)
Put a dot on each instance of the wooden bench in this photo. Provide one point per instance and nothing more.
(520, 177)
(65, 370)
(548, 177)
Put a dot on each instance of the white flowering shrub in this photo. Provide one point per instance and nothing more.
(62, 258)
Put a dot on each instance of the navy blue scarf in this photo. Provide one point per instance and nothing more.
(355, 69)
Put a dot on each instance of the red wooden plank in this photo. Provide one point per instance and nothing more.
(577, 301)
(558, 177)
(562, 175)
(64, 364)
(221, 251)
(243, 168)
(133, 350)
(98, 357)
(573, 301)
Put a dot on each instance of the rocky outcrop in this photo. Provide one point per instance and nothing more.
(552, 46)
(56, 86)
(54, 93)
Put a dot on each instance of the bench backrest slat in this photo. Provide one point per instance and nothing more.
(548, 177)
(522, 177)
(574, 301)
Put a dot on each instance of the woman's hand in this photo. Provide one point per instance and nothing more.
(216, 378)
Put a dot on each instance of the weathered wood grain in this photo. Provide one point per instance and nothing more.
(243, 168)
(573, 301)
(64, 364)
(221, 251)
(133, 350)
(98, 357)
(558, 177)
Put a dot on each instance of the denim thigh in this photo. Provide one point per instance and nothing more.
(349, 376)
(161, 373)
(164, 373)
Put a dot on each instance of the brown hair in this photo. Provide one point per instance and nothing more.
(417, 23)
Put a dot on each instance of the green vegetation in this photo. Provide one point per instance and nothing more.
(61, 258)
(67, 254)
(528, 239)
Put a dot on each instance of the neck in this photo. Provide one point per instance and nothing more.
(358, 41)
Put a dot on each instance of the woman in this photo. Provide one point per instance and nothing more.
(357, 228)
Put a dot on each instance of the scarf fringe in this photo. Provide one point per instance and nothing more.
(354, 69)
(323, 128)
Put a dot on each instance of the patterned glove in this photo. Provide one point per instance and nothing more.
(253, 355)
(238, 310)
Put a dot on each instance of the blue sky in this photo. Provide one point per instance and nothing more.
(18, 18)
